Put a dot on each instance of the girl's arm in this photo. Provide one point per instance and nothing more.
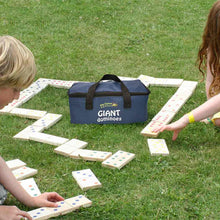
(208, 108)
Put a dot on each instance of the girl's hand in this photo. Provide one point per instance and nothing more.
(176, 126)
(12, 213)
(47, 200)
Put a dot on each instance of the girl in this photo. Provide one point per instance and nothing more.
(209, 61)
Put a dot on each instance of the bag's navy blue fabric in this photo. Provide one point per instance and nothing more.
(108, 103)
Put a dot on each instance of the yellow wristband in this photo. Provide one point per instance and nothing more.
(213, 121)
(191, 117)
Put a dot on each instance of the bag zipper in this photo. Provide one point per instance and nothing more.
(98, 94)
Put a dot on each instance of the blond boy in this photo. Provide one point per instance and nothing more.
(17, 71)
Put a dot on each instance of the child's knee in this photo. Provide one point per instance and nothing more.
(217, 122)
(3, 194)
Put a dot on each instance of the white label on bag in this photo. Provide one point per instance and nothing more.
(109, 115)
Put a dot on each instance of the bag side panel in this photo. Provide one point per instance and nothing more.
(108, 110)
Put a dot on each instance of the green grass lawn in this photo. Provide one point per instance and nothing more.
(83, 40)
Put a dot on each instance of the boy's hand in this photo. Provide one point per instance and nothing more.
(47, 200)
(12, 213)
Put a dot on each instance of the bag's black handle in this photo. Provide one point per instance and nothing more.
(91, 92)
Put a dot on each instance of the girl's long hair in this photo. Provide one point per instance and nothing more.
(211, 47)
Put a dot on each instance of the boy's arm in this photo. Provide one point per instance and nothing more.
(12, 212)
(8, 180)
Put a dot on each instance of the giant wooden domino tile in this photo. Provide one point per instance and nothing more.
(148, 130)
(177, 97)
(24, 96)
(61, 83)
(173, 106)
(47, 138)
(40, 214)
(24, 172)
(118, 160)
(63, 208)
(146, 80)
(184, 91)
(164, 116)
(15, 164)
(149, 79)
(167, 82)
(25, 133)
(91, 155)
(79, 201)
(190, 85)
(28, 92)
(28, 113)
(158, 147)
(180, 98)
(30, 187)
(6, 109)
(10, 106)
(38, 86)
(86, 179)
(126, 78)
(172, 82)
(44, 81)
(70, 146)
(48, 120)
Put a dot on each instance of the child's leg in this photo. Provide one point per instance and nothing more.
(216, 119)
(207, 121)
(3, 194)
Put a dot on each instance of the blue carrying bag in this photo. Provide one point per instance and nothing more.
(108, 102)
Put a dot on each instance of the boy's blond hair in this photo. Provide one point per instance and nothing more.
(17, 65)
